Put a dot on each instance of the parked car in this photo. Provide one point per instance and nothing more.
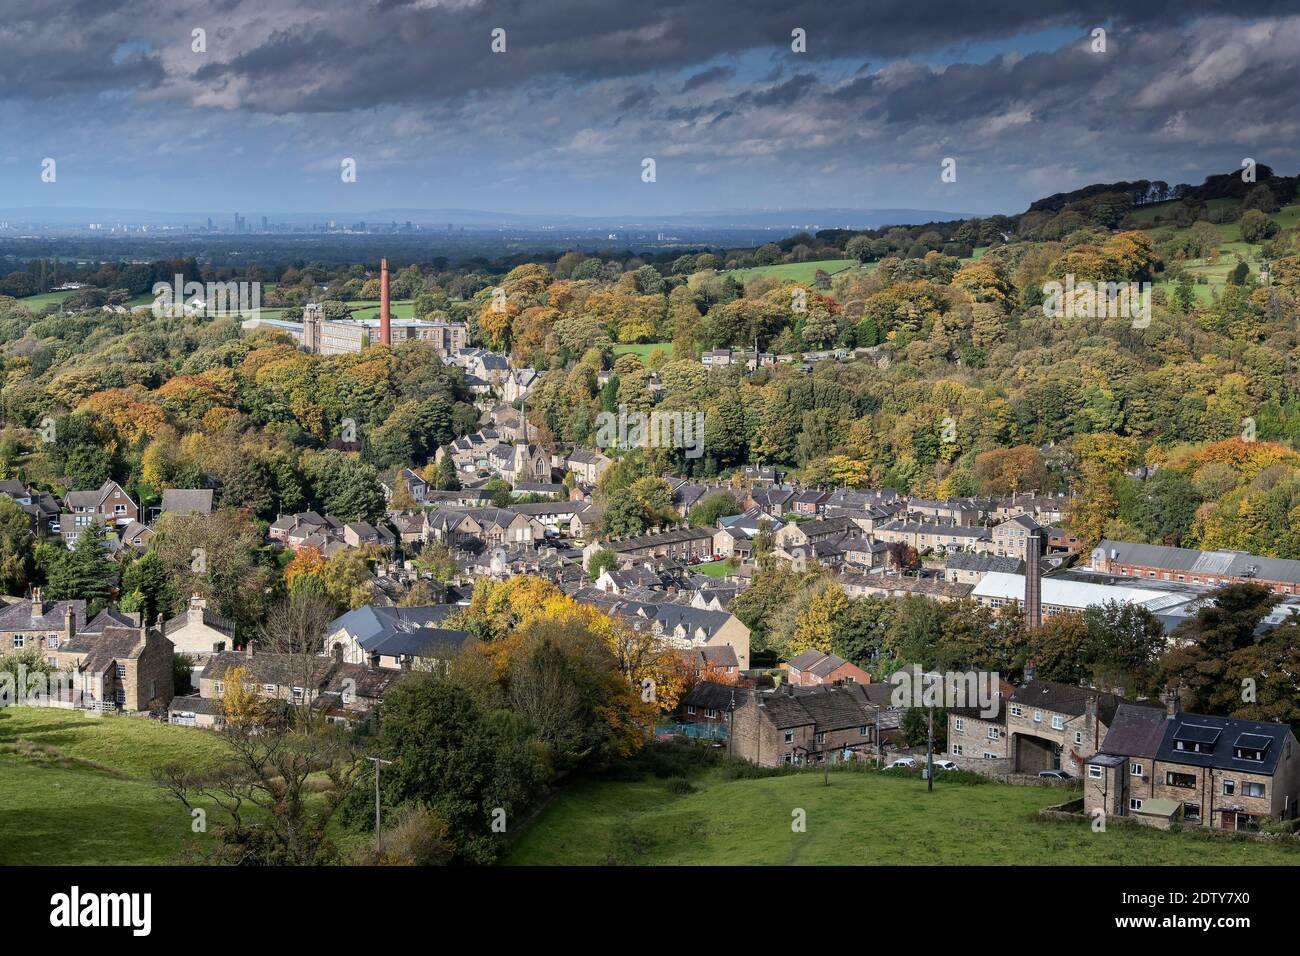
(945, 765)
(1055, 775)
(903, 762)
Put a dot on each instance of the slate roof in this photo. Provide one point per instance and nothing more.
(828, 708)
(982, 563)
(1070, 699)
(20, 616)
(418, 642)
(103, 650)
(710, 696)
(187, 500)
(1135, 731)
(1224, 735)
(283, 670)
(109, 617)
(210, 618)
(369, 624)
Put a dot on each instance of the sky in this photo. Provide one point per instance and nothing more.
(262, 118)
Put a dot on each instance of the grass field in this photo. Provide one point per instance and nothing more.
(796, 271)
(714, 569)
(1215, 271)
(38, 302)
(861, 818)
(643, 349)
(77, 790)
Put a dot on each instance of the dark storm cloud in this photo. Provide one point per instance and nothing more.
(586, 89)
(340, 54)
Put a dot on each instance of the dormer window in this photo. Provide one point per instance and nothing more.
(1251, 747)
(1196, 738)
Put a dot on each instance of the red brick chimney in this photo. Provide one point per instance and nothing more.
(385, 331)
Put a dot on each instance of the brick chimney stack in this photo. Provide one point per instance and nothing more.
(385, 329)
(1034, 580)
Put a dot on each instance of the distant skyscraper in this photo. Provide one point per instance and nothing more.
(264, 224)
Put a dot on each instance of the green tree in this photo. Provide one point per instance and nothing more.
(15, 547)
(452, 757)
(85, 572)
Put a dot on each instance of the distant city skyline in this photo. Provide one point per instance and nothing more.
(264, 118)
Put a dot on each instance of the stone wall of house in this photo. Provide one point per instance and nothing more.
(758, 741)
(974, 740)
(1207, 792)
(148, 681)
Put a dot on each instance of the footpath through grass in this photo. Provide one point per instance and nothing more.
(682, 816)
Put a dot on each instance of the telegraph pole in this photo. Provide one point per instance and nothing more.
(378, 762)
(929, 753)
(879, 744)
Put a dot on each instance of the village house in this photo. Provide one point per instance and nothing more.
(931, 536)
(586, 465)
(340, 690)
(1045, 509)
(771, 500)
(185, 501)
(1053, 726)
(136, 535)
(1159, 766)
(199, 632)
(686, 628)
(395, 478)
(108, 505)
(399, 635)
(676, 545)
(798, 534)
(801, 727)
(814, 667)
(709, 703)
(811, 501)
(40, 624)
(1011, 538)
(585, 525)
(623, 580)
(972, 732)
(122, 668)
(962, 512)
(41, 507)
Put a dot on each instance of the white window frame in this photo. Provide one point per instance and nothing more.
(959, 724)
(1229, 787)
(1094, 772)
(789, 736)
(1038, 716)
(1134, 803)
(1135, 769)
(1058, 722)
